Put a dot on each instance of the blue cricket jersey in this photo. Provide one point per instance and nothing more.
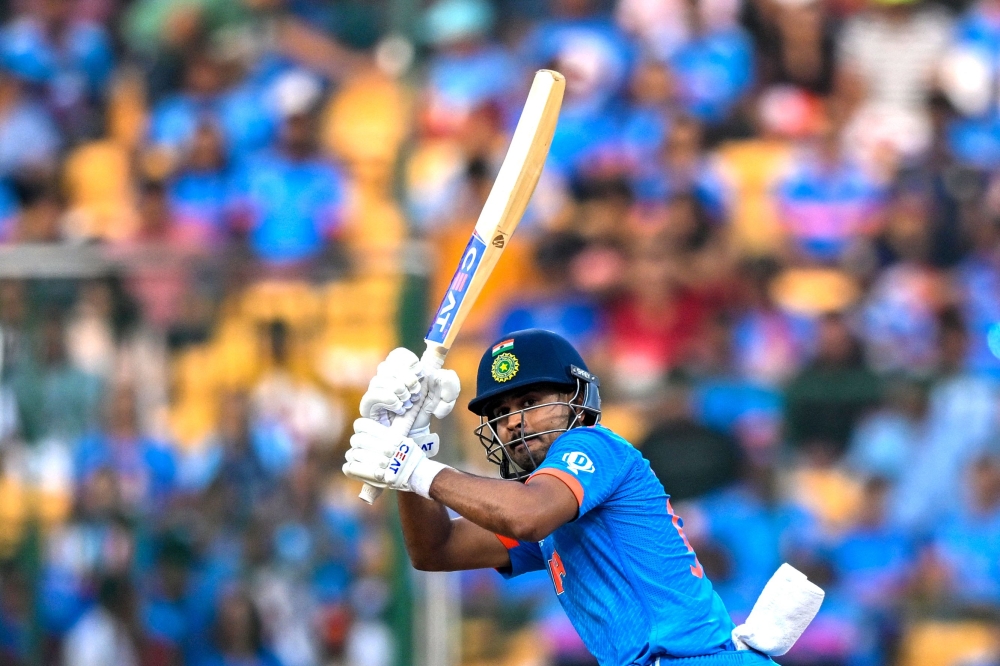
(623, 569)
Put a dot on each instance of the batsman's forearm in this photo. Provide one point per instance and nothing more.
(502, 507)
(426, 527)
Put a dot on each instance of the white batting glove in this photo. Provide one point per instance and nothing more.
(399, 383)
(395, 386)
(382, 458)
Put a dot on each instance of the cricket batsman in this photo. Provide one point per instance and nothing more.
(574, 498)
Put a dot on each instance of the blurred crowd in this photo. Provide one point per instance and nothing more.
(772, 227)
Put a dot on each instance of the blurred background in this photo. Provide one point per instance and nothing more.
(771, 226)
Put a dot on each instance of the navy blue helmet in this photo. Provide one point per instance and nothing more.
(519, 361)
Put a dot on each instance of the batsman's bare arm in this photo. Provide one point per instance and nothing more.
(527, 512)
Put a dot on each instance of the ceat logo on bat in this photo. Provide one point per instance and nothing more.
(399, 458)
(457, 289)
(578, 462)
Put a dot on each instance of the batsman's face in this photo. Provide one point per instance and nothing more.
(524, 433)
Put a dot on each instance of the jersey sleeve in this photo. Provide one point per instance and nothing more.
(524, 557)
(585, 461)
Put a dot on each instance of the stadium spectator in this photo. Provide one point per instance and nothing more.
(827, 203)
(69, 59)
(467, 71)
(238, 635)
(826, 399)
(29, 138)
(962, 547)
(962, 408)
(145, 468)
(713, 69)
(966, 69)
(290, 200)
(161, 257)
(887, 60)
(109, 632)
(743, 530)
(797, 44)
(689, 458)
(245, 122)
(235, 460)
(199, 189)
(55, 399)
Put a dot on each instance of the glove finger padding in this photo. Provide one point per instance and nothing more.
(363, 470)
(443, 392)
(443, 387)
(380, 400)
(403, 368)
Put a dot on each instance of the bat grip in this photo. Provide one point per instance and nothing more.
(432, 359)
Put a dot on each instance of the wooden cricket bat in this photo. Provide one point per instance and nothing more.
(500, 216)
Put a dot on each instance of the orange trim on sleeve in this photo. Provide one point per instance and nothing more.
(507, 542)
(571, 482)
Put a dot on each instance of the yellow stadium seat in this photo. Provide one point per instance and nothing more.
(365, 123)
(815, 291)
(13, 513)
(375, 229)
(127, 113)
(628, 420)
(295, 303)
(359, 328)
(752, 169)
(99, 189)
(939, 643)
(236, 350)
(830, 494)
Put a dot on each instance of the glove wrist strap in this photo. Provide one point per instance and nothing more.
(423, 475)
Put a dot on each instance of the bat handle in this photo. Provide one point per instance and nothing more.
(432, 359)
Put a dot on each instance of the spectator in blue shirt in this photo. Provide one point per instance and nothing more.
(596, 58)
(238, 635)
(8, 211)
(166, 608)
(970, 68)
(874, 560)
(827, 202)
(234, 462)
(145, 468)
(467, 70)
(69, 59)
(199, 189)
(290, 200)
(242, 113)
(965, 544)
(683, 169)
(744, 531)
(29, 138)
(712, 70)
(961, 419)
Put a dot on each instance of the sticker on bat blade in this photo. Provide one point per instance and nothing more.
(457, 290)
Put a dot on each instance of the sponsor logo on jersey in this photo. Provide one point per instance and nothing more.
(505, 366)
(578, 461)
